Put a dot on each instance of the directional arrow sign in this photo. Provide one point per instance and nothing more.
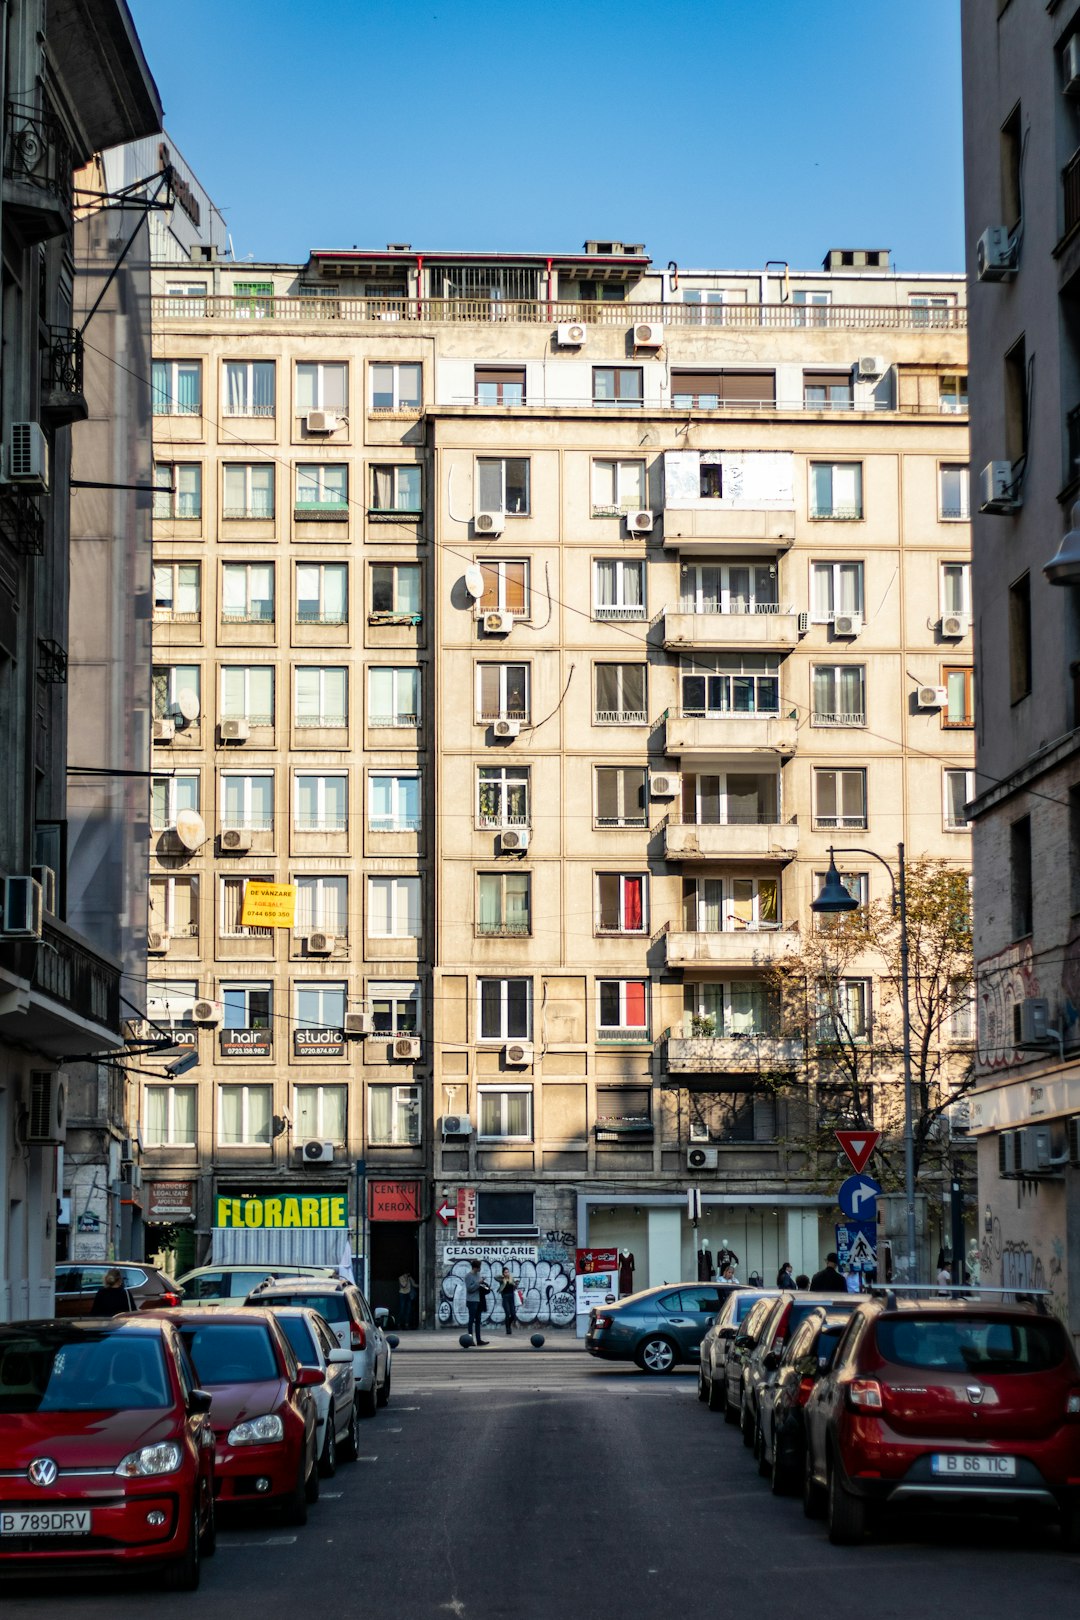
(858, 1145)
(858, 1198)
(447, 1213)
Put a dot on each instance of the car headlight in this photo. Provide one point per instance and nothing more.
(160, 1459)
(257, 1431)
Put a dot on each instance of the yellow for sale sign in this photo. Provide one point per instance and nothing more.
(269, 905)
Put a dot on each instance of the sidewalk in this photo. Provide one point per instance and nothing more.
(557, 1339)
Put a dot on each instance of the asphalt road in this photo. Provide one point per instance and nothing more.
(552, 1486)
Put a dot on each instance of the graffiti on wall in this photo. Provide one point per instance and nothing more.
(1002, 980)
(547, 1290)
(1018, 1267)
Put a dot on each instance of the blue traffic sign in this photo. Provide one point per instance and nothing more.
(856, 1245)
(858, 1198)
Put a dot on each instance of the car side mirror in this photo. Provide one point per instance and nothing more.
(771, 1361)
(308, 1377)
(382, 1315)
(200, 1400)
(726, 1333)
(339, 1357)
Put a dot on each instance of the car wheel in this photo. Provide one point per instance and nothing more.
(702, 1386)
(182, 1575)
(367, 1401)
(780, 1471)
(813, 1497)
(296, 1505)
(208, 1544)
(383, 1396)
(312, 1483)
(746, 1424)
(846, 1511)
(328, 1460)
(759, 1451)
(1070, 1526)
(351, 1443)
(731, 1413)
(656, 1354)
(716, 1396)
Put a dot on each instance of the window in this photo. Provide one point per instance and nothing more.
(322, 490)
(810, 306)
(1012, 158)
(177, 489)
(321, 698)
(171, 794)
(181, 296)
(505, 1009)
(621, 796)
(621, 903)
(247, 490)
(506, 1112)
(395, 1008)
(959, 683)
(502, 793)
(954, 485)
(322, 385)
(959, 790)
(857, 885)
(710, 476)
(836, 489)
(1020, 639)
(320, 1006)
(245, 1116)
(394, 1115)
(956, 587)
(177, 592)
(617, 487)
(505, 1212)
(395, 592)
(1020, 876)
(506, 586)
(170, 1001)
(247, 799)
(394, 697)
(730, 904)
(1016, 402)
(741, 1008)
(502, 485)
(394, 801)
(617, 385)
(247, 593)
(620, 695)
(835, 587)
(843, 1011)
(839, 694)
(247, 693)
(623, 1111)
(961, 1019)
(176, 387)
(502, 691)
(709, 390)
(247, 1005)
(953, 393)
(500, 385)
(322, 593)
(619, 588)
(742, 684)
(253, 300)
(737, 587)
(393, 909)
(931, 309)
(622, 1009)
(249, 388)
(174, 907)
(322, 905)
(731, 798)
(396, 387)
(839, 798)
(1074, 848)
(828, 391)
(168, 681)
(705, 308)
(321, 1112)
(396, 489)
(502, 904)
(232, 911)
(171, 1115)
(320, 802)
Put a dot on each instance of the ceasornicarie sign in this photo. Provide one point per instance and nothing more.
(316, 1210)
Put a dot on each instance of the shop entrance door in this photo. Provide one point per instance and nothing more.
(395, 1247)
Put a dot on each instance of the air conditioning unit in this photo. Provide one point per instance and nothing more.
(1035, 1152)
(208, 1012)
(702, 1158)
(955, 624)
(507, 728)
(869, 365)
(498, 624)
(1070, 65)
(846, 624)
(235, 730)
(995, 255)
(164, 730)
(570, 335)
(518, 1053)
(804, 624)
(317, 1152)
(1009, 1153)
(456, 1125)
(47, 878)
(932, 697)
(1031, 1022)
(27, 455)
(514, 839)
(407, 1047)
(489, 522)
(997, 488)
(158, 944)
(47, 1114)
(23, 904)
(237, 840)
(648, 334)
(1074, 1139)
(639, 522)
(322, 421)
(320, 944)
(665, 784)
(360, 1023)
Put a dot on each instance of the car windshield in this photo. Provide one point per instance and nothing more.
(54, 1371)
(800, 1310)
(298, 1333)
(230, 1353)
(331, 1307)
(968, 1344)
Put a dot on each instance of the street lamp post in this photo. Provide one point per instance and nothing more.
(834, 900)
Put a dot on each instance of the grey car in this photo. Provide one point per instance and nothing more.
(719, 1340)
(344, 1308)
(336, 1406)
(658, 1327)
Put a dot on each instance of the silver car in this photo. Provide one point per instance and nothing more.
(344, 1308)
(336, 1406)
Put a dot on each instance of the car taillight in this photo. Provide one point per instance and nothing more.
(1072, 1403)
(864, 1394)
(170, 1299)
(357, 1336)
(802, 1394)
(603, 1321)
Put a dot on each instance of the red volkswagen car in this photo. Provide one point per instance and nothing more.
(106, 1451)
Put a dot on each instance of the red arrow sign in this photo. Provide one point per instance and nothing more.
(447, 1214)
(858, 1145)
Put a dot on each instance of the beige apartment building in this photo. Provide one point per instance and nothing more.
(544, 619)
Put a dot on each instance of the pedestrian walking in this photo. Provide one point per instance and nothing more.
(476, 1293)
(508, 1295)
(407, 1291)
(830, 1279)
(112, 1298)
(785, 1277)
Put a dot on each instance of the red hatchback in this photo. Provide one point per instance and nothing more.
(106, 1452)
(936, 1403)
(264, 1414)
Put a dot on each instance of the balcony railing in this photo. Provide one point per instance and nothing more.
(624, 1035)
(254, 514)
(62, 361)
(497, 823)
(837, 514)
(248, 615)
(620, 717)
(701, 606)
(731, 818)
(503, 930)
(36, 150)
(611, 611)
(394, 824)
(321, 512)
(71, 973)
(306, 616)
(390, 721)
(320, 722)
(1070, 180)
(826, 718)
(337, 824)
(21, 522)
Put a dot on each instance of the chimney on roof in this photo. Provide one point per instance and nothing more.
(856, 259)
(399, 247)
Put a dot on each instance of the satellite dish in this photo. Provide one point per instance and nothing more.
(190, 829)
(187, 701)
(474, 582)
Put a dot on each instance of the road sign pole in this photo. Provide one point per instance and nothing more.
(909, 1135)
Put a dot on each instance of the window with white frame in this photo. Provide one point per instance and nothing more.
(187, 299)
(247, 593)
(730, 904)
(619, 588)
(960, 1024)
(397, 489)
(177, 592)
(320, 1006)
(621, 903)
(505, 1113)
(177, 489)
(168, 681)
(932, 309)
(322, 593)
(322, 905)
(245, 1116)
(247, 490)
(619, 695)
(502, 692)
(953, 393)
(954, 490)
(731, 684)
(394, 801)
(617, 487)
(171, 794)
(394, 696)
(247, 693)
(502, 485)
(704, 307)
(735, 587)
(248, 1005)
(322, 385)
(736, 1008)
(621, 796)
(393, 908)
(811, 306)
(622, 1009)
(838, 694)
(396, 387)
(171, 1115)
(857, 885)
(506, 585)
(321, 1113)
(176, 387)
(503, 904)
(502, 796)
(170, 1001)
(959, 790)
(231, 899)
(836, 490)
(321, 697)
(505, 1009)
(320, 801)
(395, 1007)
(174, 907)
(395, 592)
(247, 799)
(731, 798)
(840, 798)
(322, 489)
(842, 1011)
(956, 587)
(250, 388)
(394, 1115)
(835, 587)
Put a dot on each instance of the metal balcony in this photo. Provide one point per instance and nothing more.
(39, 168)
(62, 397)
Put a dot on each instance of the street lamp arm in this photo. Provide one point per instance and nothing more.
(874, 856)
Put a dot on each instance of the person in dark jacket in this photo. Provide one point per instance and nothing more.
(785, 1277)
(830, 1280)
(112, 1298)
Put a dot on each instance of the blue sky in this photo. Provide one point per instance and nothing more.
(718, 132)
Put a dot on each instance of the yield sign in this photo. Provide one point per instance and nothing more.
(858, 1145)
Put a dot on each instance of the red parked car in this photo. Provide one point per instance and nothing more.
(106, 1451)
(264, 1415)
(936, 1403)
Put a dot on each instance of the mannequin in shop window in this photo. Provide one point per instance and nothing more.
(726, 1256)
(704, 1262)
(626, 1272)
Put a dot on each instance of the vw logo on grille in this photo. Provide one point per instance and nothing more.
(42, 1471)
(975, 1393)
